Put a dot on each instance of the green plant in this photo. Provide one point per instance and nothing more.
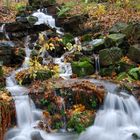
(76, 123)
(63, 11)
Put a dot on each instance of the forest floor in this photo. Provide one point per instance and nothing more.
(105, 14)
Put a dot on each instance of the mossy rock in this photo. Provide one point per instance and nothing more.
(134, 53)
(98, 45)
(110, 56)
(82, 68)
(114, 40)
(119, 27)
(32, 20)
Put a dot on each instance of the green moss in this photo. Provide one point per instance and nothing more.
(82, 68)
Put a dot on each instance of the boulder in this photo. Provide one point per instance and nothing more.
(134, 53)
(98, 44)
(114, 40)
(133, 32)
(6, 51)
(32, 20)
(118, 27)
(72, 24)
(83, 68)
(110, 56)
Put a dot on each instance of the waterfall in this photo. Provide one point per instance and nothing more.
(97, 63)
(26, 113)
(119, 119)
(3, 31)
(65, 68)
(44, 18)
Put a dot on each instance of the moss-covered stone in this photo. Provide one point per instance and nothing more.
(134, 53)
(114, 40)
(110, 56)
(82, 68)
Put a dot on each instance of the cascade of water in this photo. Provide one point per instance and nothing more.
(65, 68)
(97, 63)
(27, 52)
(44, 18)
(3, 30)
(27, 114)
(119, 119)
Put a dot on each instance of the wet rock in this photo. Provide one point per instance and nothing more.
(21, 29)
(114, 40)
(6, 51)
(110, 56)
(98, 44)
(87, 49)
(134, 53)
(32, 20)
(35, 135)
(82, 68)
(72, 24)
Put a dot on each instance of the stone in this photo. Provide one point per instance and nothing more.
(133, 32)
(87, 49)
(114, 40)
(134, 53)
(110, 56)
(32, 20)
(72, 24)
(82, 68)
(98, 44)
(119, 27)
(35, 135)
(6, 48)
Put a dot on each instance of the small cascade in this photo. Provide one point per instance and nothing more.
(118, 120)
(28, 52)
(44, 18)
(65, 68)
(77, 41)
(26, 113)
(97, 63)
(3, 31)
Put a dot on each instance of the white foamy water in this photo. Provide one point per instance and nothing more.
(46, 19)
(3, 30)
(26, 113)
(118, 120)
(65, 68)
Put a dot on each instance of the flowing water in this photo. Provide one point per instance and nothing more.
(119, 119)
(44, 18)
(3, 31)
(65, 68)
(26, 113)
(97, 63)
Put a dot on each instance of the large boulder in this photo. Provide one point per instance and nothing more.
(83, 68)
(72, 24)
(109, 56)
(131, 30)
(114, 40)
(134, 53)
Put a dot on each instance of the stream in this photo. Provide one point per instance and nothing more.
(117, 119)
